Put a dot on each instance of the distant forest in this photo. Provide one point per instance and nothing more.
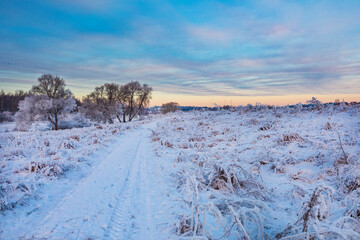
(9, 101)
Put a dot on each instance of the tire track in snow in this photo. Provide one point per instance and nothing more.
(147, 226)
(122, 224)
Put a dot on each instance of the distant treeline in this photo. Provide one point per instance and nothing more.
(9, 101)
(311, 104)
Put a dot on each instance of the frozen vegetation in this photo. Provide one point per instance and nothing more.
(245, 173)
(259, 173)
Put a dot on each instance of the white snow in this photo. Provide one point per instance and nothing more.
(253, 173)
(111, 198)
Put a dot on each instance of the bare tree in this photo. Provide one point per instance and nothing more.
(131, 90)
(122, 98)
(144, 96)
(99, 104)
(137, 98)
(51, 86)
(113, 100)
(169, 107)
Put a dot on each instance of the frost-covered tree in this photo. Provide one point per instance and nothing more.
(49, 101)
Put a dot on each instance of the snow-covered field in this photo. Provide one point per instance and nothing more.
(69, 184)
(31, 159)
(249, 173)
(264, 174)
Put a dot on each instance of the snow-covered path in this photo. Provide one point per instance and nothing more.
(116, 200)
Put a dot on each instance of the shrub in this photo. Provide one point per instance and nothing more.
(169, 107)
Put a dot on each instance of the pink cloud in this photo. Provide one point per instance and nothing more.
(279, 30)
(211, 35)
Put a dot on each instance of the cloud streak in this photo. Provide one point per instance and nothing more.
(256, 48)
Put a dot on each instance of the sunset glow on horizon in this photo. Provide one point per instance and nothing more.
(196, 53)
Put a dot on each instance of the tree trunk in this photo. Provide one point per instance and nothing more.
(52, 122)
(131, 117)
(124, 119)
(56, 122)
(117, 116)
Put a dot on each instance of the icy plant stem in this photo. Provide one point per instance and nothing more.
(195, 205)
(342, 148)
(239, 223)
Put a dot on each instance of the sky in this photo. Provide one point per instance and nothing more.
(193, 52)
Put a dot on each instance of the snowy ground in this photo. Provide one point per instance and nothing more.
(110, 197)
(265, 173)
(248, 174)
(7, 127)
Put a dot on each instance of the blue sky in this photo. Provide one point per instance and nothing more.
(189, 50)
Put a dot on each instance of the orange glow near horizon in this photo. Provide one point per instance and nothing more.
(158, 98)
(187, 100)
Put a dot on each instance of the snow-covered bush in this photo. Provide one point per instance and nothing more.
(315, 102)
(6, 117)
(74, 120)
(169, 107)
(299, 107)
